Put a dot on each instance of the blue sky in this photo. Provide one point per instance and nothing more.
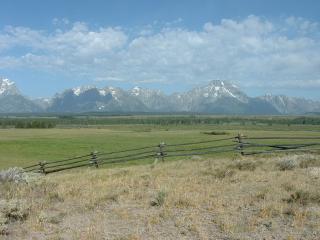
(262, 46)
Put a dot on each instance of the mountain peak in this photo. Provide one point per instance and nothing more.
(145, 92)
(218, 83)
(136, 91)
(8, 87)
(222, 83)
(79, 90)
(217, 89)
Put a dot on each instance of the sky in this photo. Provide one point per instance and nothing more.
(262, 46)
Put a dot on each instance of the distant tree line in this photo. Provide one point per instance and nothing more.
(27, 123)
(51, 122)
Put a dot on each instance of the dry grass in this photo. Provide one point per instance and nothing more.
(248, 198)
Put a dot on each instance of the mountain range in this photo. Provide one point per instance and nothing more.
(218, 97)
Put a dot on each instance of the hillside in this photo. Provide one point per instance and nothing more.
(248, 198)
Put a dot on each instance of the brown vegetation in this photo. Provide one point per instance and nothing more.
(249, 198)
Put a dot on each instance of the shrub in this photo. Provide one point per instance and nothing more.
(314, 172)
(243, 165)
(54, 197)
(13, 210)
(216, 133)
(287, 164)
(159, 199)
(223, 173)
(50, 217)
(303, 197)
(16, 175)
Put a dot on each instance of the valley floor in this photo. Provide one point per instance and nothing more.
(241, 198)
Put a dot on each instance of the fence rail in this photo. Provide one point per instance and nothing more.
(243, 145)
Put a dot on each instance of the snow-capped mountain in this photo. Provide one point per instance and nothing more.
(92, 99)
(291, 105)
(154, 100)
(79, 90)
(11, 101)
(8, 87)
(121, 100)
(208, 98)
(220, 97)
(77, 100)
(218, 89)
(217, 97)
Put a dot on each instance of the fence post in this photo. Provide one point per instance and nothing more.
(161, 152)
(42, 167)
(94, 159)
(240, 143)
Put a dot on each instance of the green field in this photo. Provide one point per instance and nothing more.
(22, 147)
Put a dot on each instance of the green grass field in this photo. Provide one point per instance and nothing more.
(22, 147)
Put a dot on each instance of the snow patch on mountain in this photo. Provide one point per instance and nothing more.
(102, 92)
(79, 90)
(136, 91)
(114, 93)
(291, 105)
(8, 87)
(230, 93)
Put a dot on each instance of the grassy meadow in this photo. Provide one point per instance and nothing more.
(217, 196)
(22, 147)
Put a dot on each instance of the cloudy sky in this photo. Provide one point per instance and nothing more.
(262, 46)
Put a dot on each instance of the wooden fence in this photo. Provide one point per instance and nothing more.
(243, 145)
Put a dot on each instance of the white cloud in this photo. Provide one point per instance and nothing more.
(78, 40)
(63, 21)
(253, 52)
(302, 25)
(84, 43)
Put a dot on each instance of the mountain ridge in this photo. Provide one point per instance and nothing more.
(217, 97)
